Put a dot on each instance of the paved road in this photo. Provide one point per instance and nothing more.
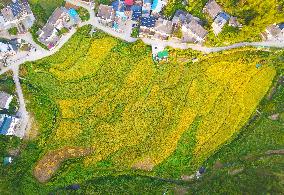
(22, 112)
(178, 45)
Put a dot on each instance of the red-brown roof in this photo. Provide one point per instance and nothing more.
(129, 2)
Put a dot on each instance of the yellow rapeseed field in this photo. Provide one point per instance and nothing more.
(133, 113)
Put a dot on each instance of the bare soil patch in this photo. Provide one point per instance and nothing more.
(51, 161)
(32, 128)
(146, 165)
(270, 152)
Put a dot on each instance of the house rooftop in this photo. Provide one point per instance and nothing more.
(118, 6)
(47, 31)
(7, 160)
(157, 5)
(274, 30)
(5, 98)
(105, 11)
(148, 21)
(224, 15)
(213, 8)
(147, 1)
(234, 22)
(16, 7)
(128, 2)
(164, 26)
(136, 12)
(163, 54)
(57, 14)
(281, 26)
(5, 47)
(5, 124)
(182, 17)
(7, 13)
(197, 29)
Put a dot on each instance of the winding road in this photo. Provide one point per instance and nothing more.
(42, 53)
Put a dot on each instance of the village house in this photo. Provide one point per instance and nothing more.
(146, 8)
(193, 32)
(234, 22)
(136, 12)
(147, 26)
(157, 7)
(8, 124)
(122, 14)
(128, 3)
(5, 100)
(106, 15)
(219, 22)
(138, 2)
(7, 160)
(6, 49)
(189, 26)
(163, 29)
(212, 8)
(159, 53)
(180, 18)
(274, 32)
(61, 18)
(17, 14)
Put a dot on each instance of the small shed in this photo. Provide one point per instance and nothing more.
(7, 160)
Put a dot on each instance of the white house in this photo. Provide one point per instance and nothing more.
(275, 32)
(219, 22)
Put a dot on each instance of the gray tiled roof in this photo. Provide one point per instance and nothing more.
(182, 17)
(274, 30)
(7, 13)
(197, 29)
(106, 12)
(3, 99)
(212, 8)
(164, 26)
(57, 14)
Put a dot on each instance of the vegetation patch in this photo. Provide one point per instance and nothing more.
(254, 15)
(110, 95)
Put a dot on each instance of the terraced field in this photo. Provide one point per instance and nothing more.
(104, 94)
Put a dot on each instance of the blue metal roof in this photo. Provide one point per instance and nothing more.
(136, 8)
(224, 15)
(281, 25)
(7, 160)
(5, 125)
(118, 6)
(16, 8)
(148, 21)
(115, 25)
(154, 5)
(136, 12)
(147, 1)
(73, 13)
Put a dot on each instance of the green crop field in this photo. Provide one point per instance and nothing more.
(48, 5)
(102, 107)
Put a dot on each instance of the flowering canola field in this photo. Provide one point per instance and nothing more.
(110, 96)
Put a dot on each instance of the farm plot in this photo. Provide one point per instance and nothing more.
(112, 97)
